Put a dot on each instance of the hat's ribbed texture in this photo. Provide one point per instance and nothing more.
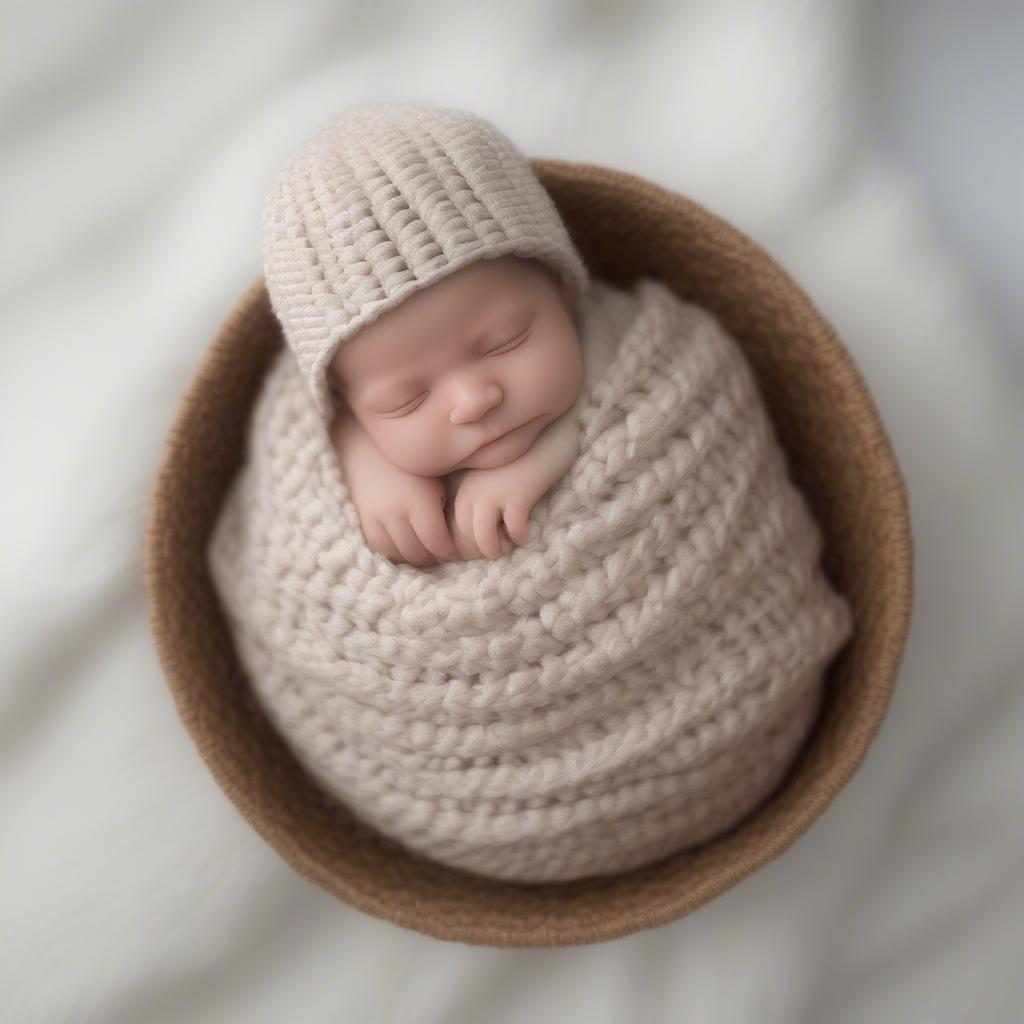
(386, 199)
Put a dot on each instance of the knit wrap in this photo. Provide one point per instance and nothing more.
(633, 682)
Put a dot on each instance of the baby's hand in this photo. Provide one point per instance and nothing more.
(402, 515)
(483, 503)
(405, 522)
(491, 509)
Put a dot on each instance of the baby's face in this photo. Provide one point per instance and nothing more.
(466, 372)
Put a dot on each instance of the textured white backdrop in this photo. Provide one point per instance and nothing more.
(867, 146)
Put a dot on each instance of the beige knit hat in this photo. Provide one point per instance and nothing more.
(385, 199)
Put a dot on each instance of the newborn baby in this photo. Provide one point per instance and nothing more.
(459, 400)
(629, 678)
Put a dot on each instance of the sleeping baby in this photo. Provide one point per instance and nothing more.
(459, 400)
(514, 564)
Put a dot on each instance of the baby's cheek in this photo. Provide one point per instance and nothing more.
(413, 443)
(562, 375)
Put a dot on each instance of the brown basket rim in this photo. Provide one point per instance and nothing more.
(668, 892)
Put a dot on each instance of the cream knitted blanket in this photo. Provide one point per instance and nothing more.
(633, 682)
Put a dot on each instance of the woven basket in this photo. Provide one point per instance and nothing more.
(838, 454)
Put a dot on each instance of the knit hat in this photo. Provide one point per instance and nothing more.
(385, 199)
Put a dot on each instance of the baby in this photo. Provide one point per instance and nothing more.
(631, 681)
(428, 286)
(459, 401)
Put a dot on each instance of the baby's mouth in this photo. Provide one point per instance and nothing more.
(494, 440)
(498, 438)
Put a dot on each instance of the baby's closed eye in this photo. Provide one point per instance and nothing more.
(408, 407)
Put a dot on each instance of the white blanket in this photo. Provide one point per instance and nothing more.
(136, 144)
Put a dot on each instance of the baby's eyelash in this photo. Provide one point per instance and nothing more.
(394, 411)
(517, 338)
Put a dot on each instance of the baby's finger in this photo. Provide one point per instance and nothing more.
(485, 529)
(432, 531)
(405, 539)
(378, 539)
(517, 522)
(462, 531)
(468, 551)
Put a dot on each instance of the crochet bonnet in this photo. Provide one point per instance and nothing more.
(385, 199)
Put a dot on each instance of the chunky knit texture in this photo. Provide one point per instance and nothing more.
(633, 682)
(386, 199)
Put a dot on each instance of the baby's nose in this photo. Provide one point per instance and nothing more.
(472, 405)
